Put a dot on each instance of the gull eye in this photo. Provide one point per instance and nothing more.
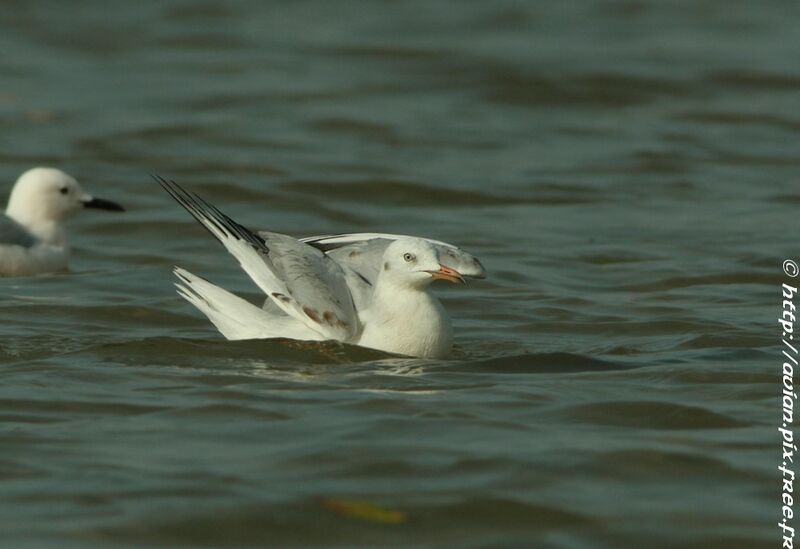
(409, 257)
(63, 190)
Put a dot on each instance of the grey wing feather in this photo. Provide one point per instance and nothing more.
(14, 234)
(301, 280)
(359, 285)
(363, 256)
(315, 281)
(363, 252)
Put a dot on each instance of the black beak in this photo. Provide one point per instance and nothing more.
(102, 204)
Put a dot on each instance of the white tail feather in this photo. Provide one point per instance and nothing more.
(234, 317)
(251, 252)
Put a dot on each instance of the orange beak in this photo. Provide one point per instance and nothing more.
(448, 274)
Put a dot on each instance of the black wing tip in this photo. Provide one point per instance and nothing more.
(170, 186)
(173, 189)
(205, 212)
(166, 183)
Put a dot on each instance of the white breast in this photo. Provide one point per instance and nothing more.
(410, 322)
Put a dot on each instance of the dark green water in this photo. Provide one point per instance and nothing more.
(626, 171)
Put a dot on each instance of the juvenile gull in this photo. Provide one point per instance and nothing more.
(366, 289)
(32, 235)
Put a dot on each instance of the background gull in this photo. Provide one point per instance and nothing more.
(32, 235)
(365, 289)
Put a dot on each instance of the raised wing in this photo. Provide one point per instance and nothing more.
(362, 252)
(300, 279)
(14, 234)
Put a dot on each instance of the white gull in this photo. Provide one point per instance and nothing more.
(367, 289)
(32, 235)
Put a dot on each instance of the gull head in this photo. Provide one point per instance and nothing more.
(47, 195)
(414, 262)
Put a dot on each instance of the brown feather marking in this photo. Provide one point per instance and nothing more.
(312, 314)
(333, 320)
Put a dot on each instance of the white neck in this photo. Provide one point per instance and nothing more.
(49, 231)
(405, 320)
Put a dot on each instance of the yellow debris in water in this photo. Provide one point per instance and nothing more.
(363, 510)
